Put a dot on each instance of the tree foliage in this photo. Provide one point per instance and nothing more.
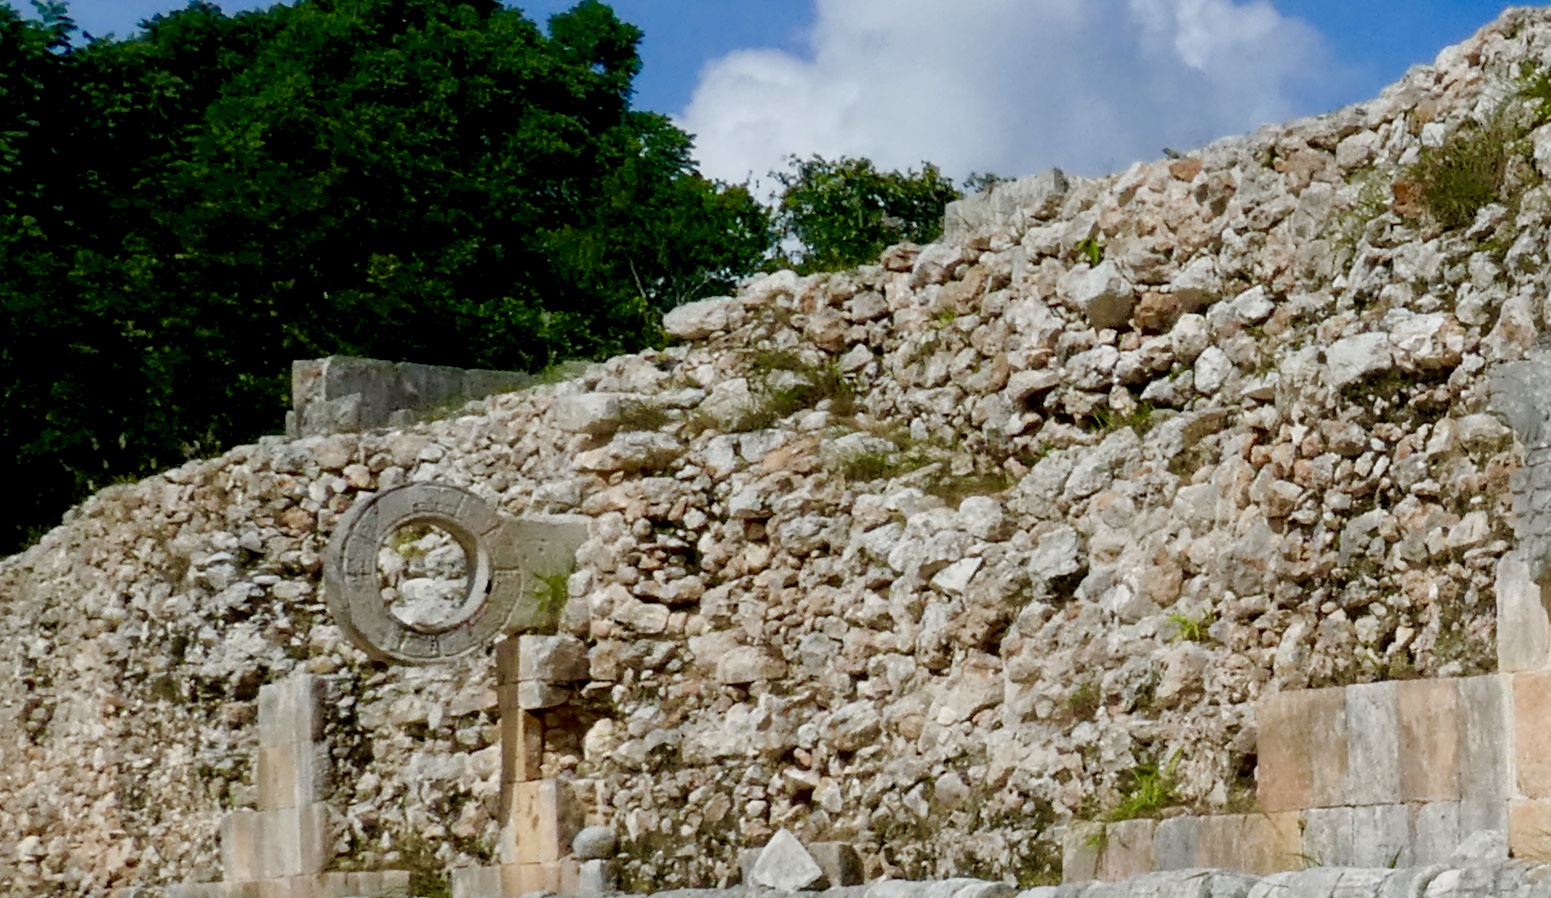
(184, 212)
(845, 212)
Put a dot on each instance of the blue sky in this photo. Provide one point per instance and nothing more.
(990, 85)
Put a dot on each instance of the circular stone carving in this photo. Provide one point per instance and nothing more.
(354, 595)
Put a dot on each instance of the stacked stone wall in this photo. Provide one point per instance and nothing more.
(931, 557)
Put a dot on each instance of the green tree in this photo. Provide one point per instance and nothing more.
(188, 210)
(845, 212)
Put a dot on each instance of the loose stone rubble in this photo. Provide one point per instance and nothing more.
(1075, 521)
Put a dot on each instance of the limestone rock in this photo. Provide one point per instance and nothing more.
(1102, 294)
(698, 320)
(786, 866)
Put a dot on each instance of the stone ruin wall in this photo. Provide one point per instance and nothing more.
(1253, 450)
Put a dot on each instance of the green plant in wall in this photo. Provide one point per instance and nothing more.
(1147, 789)
(1192, 629)
(1091, 249)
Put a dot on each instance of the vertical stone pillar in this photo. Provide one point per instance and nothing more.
(1521, 394)
(539, 816)
(290, 834)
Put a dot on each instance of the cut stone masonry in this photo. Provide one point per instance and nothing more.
(339, 394)
(281, 850)
(1393, 773)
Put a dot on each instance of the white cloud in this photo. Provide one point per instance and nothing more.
(1010, 86)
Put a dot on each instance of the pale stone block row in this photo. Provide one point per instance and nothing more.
(516, 880)
(1379, 836)
(1410, 742)
(385, 884)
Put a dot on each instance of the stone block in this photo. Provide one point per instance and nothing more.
(522, 746)
(295, 841)
(841, 864)
(239, 846)
(1249, 843)
(1080, 846)
(1434, 832)
(1529, 830)
(533, 695)
(275, 776)
(1523, 628)
(291, 710)
(336, 885)
(545, 817)
(551, 659)
(508, 659)
(1485, 753)
(291, 775)
(596, 877)
(1429, 732)
(518, 880)
(1302, 749)
(1373, 744)
(1381, 837)
(1174, 844)
(1127, 850)
(1327, 836)
(383, 883)
(475, 882)
(1532, 718)
(282, 887)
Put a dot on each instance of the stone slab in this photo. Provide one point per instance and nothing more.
(1327, 836)
(1127, 850)
(1523, 627)
(1080, 845)
(239, 846)
(1434, 832)
(291, 710)
(1485, 753)
(474, 882)
(1174, 844)
(522, 746)
(544, 819)
(1529, 830)
(1373, 744)
(291, 775)
(1428, 717)
(508, 659)
(1249, 843)
(1381, 837)
(1532, 733)
(294, 841)
(1302, 750)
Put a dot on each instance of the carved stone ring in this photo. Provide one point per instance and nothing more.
(501, 555)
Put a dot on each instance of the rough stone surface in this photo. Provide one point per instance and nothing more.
(786, 865)
(768, 643)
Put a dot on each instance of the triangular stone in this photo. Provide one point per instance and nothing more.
(786, 865)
